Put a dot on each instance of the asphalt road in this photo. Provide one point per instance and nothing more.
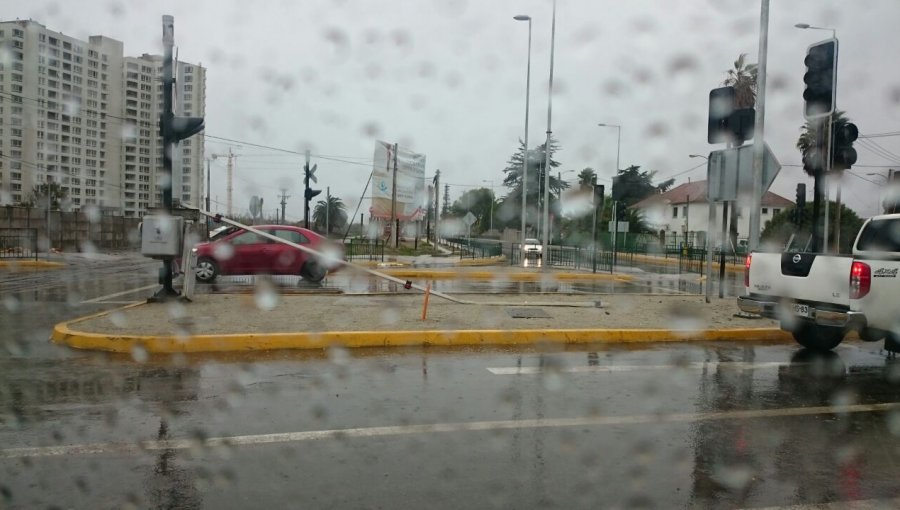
(669, 426)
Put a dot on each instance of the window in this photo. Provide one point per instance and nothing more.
(880, 235)
(765, 210)
(674, 210)
(775, 211)
(290, 235)
(247, 238)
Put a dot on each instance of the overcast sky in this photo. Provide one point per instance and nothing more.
(447, 78)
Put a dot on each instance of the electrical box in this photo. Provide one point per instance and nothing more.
(161, 236)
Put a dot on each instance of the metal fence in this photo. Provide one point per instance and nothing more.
(474, 248)
(18, 243)
(364, 249)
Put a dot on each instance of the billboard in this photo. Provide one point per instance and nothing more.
(412, 200)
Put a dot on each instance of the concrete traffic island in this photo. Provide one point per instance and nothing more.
(267, 320)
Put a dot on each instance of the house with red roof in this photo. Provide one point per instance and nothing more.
(684, 209)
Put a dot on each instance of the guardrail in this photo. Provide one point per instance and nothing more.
(473, 248)
(18, 243)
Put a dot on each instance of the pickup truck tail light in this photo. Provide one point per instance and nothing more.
(860, 280)
(747, 270)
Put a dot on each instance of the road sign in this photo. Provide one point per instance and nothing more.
(623, 226)
(731, 170)
(469, 219)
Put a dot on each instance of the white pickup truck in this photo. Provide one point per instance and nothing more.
(819, 298)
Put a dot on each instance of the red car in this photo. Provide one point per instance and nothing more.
(238, 251)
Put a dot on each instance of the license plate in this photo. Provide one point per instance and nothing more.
(801, 310)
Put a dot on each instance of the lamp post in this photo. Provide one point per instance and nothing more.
(615, 204)
(545, 248)
(698, 156)
(523, 17)
(807, 26)
(492, 201)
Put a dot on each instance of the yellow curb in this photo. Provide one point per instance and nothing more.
(732, 268)
(489, 261)
(30, 264)
(63, 334)
(370, 264)
(502, 276)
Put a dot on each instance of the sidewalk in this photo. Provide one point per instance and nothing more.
(268, 321)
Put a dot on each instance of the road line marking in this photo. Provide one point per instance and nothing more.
(700, 365)
(372, 432)
(117, 294)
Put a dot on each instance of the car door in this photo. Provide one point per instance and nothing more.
(249, 254)
(287, 259)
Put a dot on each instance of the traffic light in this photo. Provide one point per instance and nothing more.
(821, 67)
(309, 174)
(721, 106)
(844, 155)
(800, 206)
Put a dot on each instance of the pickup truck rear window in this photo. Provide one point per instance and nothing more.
(880, 235)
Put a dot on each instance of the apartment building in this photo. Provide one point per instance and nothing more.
(81, 114)
(143, 149)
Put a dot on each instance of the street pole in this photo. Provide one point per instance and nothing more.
(837, 219)
(525, 154)
(545, 249)
(827, 186)
(759, 128)
(437, 211)
(395, 224)
(168, 26)
(327, 210)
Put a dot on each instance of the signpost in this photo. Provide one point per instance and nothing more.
(729, 175)
(469, 219)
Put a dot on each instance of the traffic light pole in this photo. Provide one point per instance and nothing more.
(168, 26)
(759, 127)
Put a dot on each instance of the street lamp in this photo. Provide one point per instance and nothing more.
(615, 205)
(808, 26)
(524, 17)
(545, 247)
(492, 201)
(698, 156)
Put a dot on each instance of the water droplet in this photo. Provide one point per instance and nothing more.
(266, 295)
(223, 251)
(118, 319)
(139, 353)
(339, 355)
(11, 303)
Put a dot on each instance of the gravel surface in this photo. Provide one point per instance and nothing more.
(268, 312)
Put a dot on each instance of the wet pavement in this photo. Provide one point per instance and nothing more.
(660, 426)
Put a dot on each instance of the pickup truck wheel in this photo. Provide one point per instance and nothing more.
(818, 338)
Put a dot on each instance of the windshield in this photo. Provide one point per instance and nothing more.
(445, 254)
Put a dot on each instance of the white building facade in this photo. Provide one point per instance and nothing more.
(685, 210)
(79, 114)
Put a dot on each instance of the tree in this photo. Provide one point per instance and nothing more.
(336, 212)
(743, 78)
(779, 229)
(478, 202)
(810, 132)
(586, 178)
(512, 202)
(632, 185)
(38, 196)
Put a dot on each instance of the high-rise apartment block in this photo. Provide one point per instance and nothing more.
(81, 114)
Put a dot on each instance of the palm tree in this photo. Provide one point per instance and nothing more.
(586, 178)
(335, 211)
(743, 79)
(810, 132)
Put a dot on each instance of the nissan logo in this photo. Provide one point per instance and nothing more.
(797, 258)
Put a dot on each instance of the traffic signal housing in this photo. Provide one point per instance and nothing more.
(721, 106)
(821, 70)
(844, 155)
(309, 174)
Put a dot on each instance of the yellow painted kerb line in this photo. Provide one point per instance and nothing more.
(63, 334)
(30, 264)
